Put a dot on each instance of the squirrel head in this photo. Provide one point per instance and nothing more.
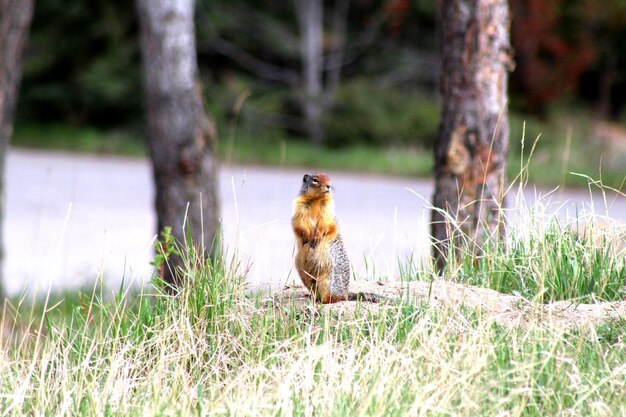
(316, 186)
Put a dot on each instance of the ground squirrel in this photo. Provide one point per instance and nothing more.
(321, 259)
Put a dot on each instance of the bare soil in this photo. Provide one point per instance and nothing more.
(507, 310)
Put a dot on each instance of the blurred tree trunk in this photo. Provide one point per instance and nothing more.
(311, 22)
(337, 50)
(608, 75)
(471, 149)
(15, 20)
(320, 74)
(181, 137)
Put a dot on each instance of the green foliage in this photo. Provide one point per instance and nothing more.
(377, 116)
(251, 131)
(82, 65)
(164, 248)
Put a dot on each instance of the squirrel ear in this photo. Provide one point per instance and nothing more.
(306, 177)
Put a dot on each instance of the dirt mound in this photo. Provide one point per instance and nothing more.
(508, 310)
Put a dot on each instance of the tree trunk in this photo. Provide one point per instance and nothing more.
(311, 22)
(337, 52)
(603, 107)
(471, 149)
(181, 137)
(14, 24)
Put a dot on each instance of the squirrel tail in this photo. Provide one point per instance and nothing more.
(366, 296)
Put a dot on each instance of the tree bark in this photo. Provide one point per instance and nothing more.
(181, 138)
(471, 149)
(15, 19)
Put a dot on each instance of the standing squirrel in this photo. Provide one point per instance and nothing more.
(321, 259)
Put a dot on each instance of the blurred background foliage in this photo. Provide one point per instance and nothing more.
(82, 82)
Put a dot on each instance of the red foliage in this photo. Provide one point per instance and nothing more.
(397, 10)
(549, 60)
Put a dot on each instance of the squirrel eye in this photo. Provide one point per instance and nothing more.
(315, 180)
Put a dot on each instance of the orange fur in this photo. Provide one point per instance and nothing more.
(314, 214)
(314, 226)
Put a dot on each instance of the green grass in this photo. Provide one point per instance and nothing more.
(153, 355)
(561, 263)
(547, 255)
(218, 350)
(561, 148)
(78, 139)
(359, 158)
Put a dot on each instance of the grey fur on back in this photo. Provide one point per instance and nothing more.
(340, 268)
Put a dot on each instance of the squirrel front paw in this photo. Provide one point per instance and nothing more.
(311, 243)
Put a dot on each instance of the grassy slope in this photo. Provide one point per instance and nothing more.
(163, 357)
(217, 350)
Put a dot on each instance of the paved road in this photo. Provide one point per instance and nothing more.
(71, 219)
